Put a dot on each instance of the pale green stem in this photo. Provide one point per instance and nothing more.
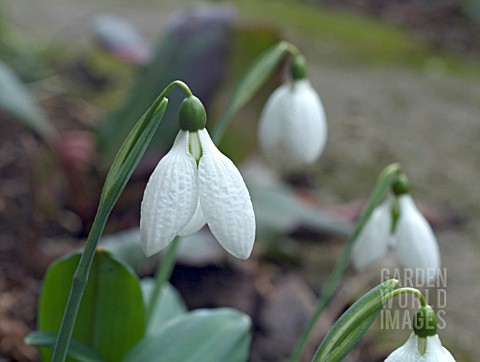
(227, 115)
(79, 283)
(163, 274)
(176, 83)
(80, 277)
(389, 174)
(415, 291)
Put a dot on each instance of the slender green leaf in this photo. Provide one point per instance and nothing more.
(169, 305)
(131, 151)
(78, 351)
(123, 166)
(200, 336)
(255, 76)
(111, 318)
(16, 100)
(388, 175)
(353, 324)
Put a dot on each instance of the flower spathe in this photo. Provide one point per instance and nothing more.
(413, 241)
(409, 352)
(294, 116)
(194, 184)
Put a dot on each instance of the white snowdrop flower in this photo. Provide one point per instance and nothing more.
(409, 352)
(375, 239)
(194, 184)
(295, 118)
(424, 344)
(415, 244)
(412, 239)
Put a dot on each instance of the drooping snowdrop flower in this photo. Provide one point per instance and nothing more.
(423, 345)
(194, 184)
(374, 241)
(294, 117)
(398, 224)
(415, 244)
(435, 352)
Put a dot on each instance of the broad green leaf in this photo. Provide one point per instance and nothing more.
(111, 318)
(254, 77)
(16, 100)
(199, 249)
(77, 350)
(200, 336)
(169, 305)
(269, 196)
(125, 245)
(353, 324)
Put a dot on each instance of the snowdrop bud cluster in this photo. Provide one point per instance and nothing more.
(294, 117)
(424, 344)
(397, 224)
(195, 184)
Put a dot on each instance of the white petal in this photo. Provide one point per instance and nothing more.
(170, 198)
(305, 125)
(436, 352)
(416, 246)
(225, 200)
(407, 352)
(196, 222)
(373, 241)
(272, 119)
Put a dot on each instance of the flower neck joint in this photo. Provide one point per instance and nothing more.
(425, 322)
(192, 116)
(298, 67)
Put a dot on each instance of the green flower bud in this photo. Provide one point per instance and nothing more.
(298, 68)
(401, 186)
(425, 322)
(192, 115)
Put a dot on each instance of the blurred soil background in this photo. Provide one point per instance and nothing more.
(400, 81)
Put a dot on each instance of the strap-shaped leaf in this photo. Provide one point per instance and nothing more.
(111, 318)
(169, 305)
(16, 100)
(201, 336)
(353, 324)
(255, 76)
(131, 151)
(79, 351)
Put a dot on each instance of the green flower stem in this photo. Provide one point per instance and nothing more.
(163, 274)
(78, 287)
(352, 324)
(385, 180)
(176, 83)
(254, 77)
(292, 49)
(122, 167)
(414, 291)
